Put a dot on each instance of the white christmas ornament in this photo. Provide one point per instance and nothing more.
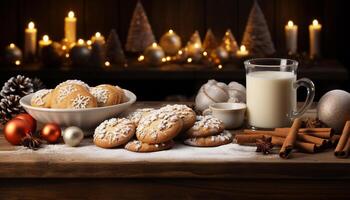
(215, 92)
(72, 136)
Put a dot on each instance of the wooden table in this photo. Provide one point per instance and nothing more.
(58, 171)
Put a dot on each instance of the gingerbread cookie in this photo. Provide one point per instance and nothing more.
(158, 127)
(136, 115)
(107, 95)
(138, 146)
(60, 94)
(184, 112)
(41, 98)
(114, 132)
(205, 126)
(210, 141)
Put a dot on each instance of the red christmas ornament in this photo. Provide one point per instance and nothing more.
(15, 130)
(29, 119)
(51, 132)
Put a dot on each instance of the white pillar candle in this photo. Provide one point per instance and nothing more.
(315, 39)
(70, 27)
(44, 42)
(242, 52)
(291, 32)
(30, 40)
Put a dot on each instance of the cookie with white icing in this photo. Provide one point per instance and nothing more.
(184, 112)
(158, 127)
(60, 94)
(80, 100)
(205, 126)
(138, 146)
(210, 141)
(107, 95)
(41, 98)
(114, 132)
(77, 82)
(136, 115)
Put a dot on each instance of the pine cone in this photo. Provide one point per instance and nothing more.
(19, 85)
(9, 106)
(37, 84)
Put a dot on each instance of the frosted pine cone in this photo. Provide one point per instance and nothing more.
(9, 106)
(19, 85)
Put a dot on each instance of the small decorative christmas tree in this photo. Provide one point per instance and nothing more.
(97, 55)
(210, 42)
(140, 34)
(229, 43)
(195, 39)
(114, 51)
(257, 38)
(194, 47)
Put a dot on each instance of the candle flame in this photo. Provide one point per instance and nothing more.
(242, 48)
(46, 38)
(315, 22)
(81, 41)
(171, 31)
(71, 14)
(31, 25)
(154, 44)
(12, 45)
(97, 34)
(141, 58)
(196, 45)
(107, 64)
(290, 23)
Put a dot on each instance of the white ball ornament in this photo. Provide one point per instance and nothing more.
(73, 136)
(333, 109)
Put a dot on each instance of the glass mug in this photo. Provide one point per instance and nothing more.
(272, 92)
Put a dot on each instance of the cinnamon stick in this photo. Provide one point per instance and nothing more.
(334, 140)
(247, 139)
(325, 133)
(343, 147)
(320, 142)
(290, 140)
(301, 146)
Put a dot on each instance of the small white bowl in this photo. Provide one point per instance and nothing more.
(87, 119)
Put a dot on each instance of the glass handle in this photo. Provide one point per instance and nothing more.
(309, 85)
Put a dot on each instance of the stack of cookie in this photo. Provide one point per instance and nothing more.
(156, 129)
(207, 131)
(75, 94)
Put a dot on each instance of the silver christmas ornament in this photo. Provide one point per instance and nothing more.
(72, 136)
(333, 109)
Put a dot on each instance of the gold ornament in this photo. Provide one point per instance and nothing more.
(194, 47)
(154, 54)
(229, 43)
(170, 42)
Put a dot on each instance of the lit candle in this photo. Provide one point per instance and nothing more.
(291, 32)
(242, 52)
(70, 27)
(44, 42)
(30, 40)
(98, 38)
(315, 38)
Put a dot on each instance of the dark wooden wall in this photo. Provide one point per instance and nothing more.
(184, 16)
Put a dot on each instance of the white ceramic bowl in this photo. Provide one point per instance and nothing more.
(87, 119)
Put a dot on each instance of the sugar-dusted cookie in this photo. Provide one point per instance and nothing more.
(205, 126)
(60, 93)
(77, 82)
(114, 132)
(41, 98)
(107, 95)
(184, 112)
(138, 146)
(136, 115)
(158, 127)
(210, 141)
(80, 100)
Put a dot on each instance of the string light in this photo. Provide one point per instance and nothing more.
(141, 58)
(107, 64)
(189, 60)
(17, 62)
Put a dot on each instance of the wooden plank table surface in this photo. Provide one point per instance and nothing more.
(182, 172)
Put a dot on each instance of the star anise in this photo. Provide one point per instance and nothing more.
(31, 142)
(264, 145)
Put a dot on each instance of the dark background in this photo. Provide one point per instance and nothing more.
(184, 17)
